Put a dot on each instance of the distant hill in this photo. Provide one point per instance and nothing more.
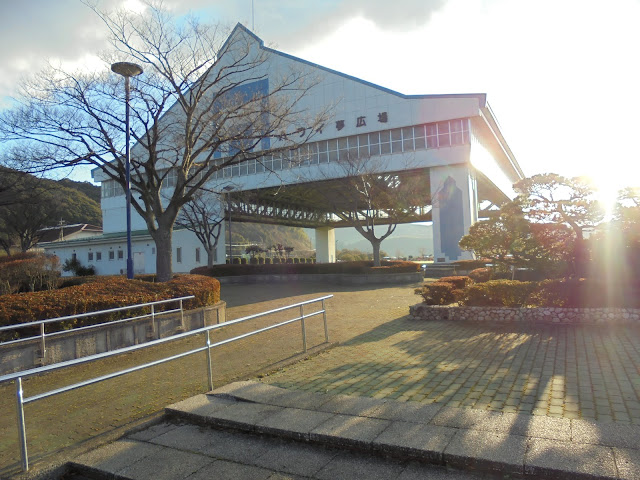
(89, 189)
(408, 239)
(268, 235)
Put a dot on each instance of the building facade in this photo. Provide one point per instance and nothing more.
(454, 141)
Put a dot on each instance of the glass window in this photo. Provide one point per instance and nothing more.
(251, 167)
(244, 168)
(432, 135)
(197, 255)
(443, 134)
(419, 137)
(323, 155)
(396, 140)
(120, 254)
(277, 163)
(385, 142)
(407, 139)
(342, 148)
(333, 150)
(98, 256)
(179, 254)
(313, 153)
(235, 170)
(112, 255)
(456, 132)
(90, 257)
(353, 147)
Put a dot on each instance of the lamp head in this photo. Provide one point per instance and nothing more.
(126, 69)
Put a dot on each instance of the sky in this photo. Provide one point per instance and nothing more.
(562, 76)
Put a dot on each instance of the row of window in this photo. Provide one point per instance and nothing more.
(112, 255)
(385, 142)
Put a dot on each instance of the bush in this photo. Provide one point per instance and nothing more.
(470, 264)
(459, 282)
(74, 266)
(101, 293)
(267, 261)
(480, 275)
(28, 272)
(437, 293)
(498, 293)
(260, 260)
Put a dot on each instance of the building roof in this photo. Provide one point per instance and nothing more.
(59, 233)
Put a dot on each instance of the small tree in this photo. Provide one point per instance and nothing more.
(510, 241)
(554, 199)
(203, 216)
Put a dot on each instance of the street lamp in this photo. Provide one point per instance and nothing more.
(127, 70)
(228, 189)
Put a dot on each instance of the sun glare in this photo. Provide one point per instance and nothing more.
(607, 189)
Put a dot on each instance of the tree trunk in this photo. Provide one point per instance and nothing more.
(375, 243)
(211, 256)
(163, 239)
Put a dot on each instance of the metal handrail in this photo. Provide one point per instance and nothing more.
(42, 336)
(18, 376)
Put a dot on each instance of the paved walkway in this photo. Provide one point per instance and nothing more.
(589, 372)
(311, 435)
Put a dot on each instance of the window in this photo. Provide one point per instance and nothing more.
(323, 153)
(120, 254)
(407, 139)
(90, 257)
(374, 144)
(98, 256)
(396, 140)
(179, 254)
(432, 135)
(74, 256)
(419, 137)
(112, 255)
(385, 142)
(197, 255)
(342, 148)
(353, 147)
(443, 134)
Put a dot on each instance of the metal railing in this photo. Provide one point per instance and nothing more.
(21, 400)
(43, 335)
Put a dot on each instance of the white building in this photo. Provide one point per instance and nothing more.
(453, 140)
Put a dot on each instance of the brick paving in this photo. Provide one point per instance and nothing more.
(590, 372)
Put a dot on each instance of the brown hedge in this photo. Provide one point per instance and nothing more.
(103, 293)
(361, 267)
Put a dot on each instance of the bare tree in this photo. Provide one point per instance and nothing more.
(201, 105)
(374, 202)
(203, 216)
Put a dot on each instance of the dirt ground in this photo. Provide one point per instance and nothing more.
(69, 419)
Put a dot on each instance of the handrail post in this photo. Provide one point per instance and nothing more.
(181, 315)
(324, 317)
(304, 330)
(209, 369)
(153, 320)
(22, 431)
(43, 347)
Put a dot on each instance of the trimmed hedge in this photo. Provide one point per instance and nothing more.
(498, 293)
(438, 293)
(458, 281)
(101, 293)
(362, 267)
(480, 275)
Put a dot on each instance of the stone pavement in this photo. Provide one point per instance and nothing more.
(312, 435)
(572, 372)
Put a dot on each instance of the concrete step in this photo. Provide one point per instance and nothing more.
(432, 435)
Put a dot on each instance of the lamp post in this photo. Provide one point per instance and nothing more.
(127, 70)
(228, 189)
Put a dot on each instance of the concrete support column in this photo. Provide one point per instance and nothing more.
(454, 196)
(325, 245)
